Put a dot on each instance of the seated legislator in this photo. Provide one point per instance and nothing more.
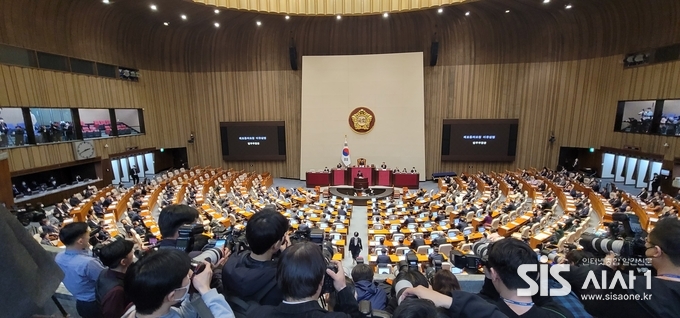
(395, 170)
(414, 170)
(383, 258)
(404, 171)
(361, 162)
(339, 166)
(300, 275)
(383, 166)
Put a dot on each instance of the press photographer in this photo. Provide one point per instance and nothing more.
(181, 229)
(250, 276)
(161, 279)
(500, 288)
(659, 298)
(302, 273)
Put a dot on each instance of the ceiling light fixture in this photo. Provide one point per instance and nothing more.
(467, 14)
(106, 1)
(546, 1)
(258, 23)
(153, 7)
(338, 17)
(166, 24)
(385, 15)
(217, 25)
(217, 11)
(568, 6)
(507, 11)
(287, 17)
(440, 10)
(184, 16)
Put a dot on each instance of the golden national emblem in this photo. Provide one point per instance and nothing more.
(361, 120)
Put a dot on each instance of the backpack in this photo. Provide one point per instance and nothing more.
(243, 307)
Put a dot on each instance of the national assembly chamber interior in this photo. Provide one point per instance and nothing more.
(340, 158)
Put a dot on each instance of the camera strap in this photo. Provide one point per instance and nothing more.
(201, 308)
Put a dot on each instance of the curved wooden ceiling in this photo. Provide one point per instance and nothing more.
(329, 7)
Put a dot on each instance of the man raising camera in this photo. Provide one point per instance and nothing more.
(164, 278)
(251, 275)
(300, 276)
(662, 293)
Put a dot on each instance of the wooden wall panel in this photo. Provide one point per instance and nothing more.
(556, 70)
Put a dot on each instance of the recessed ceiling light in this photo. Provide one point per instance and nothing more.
(546, 1)
(507, 11)
(385, 15)
(217, 11)
(258, 23)
(184, 16)
(153, 7)
(440, 10)
(338, 17)
(217, 25)
(287, 17)
(106, 1)
(467, 13)
(166, 24)
(567, 6)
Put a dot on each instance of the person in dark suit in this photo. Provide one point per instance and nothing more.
(360, 174)
(418, 242)
(355, 246)
(656, 182)
(133, 174)
(414, 170)
(18, 136)
(74, 201)
(15, 191)
(435, 256)
(339, 166)
(383, 166)
(644, 194)
(383, 258)
(301, 271)
(4, 134)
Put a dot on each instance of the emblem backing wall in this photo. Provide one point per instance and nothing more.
(389, 85)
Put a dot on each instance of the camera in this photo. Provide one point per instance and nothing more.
(628, 247)
(185, 241)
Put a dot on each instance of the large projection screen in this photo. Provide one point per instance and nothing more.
(390, 85)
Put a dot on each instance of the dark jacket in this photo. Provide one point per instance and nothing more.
(110, 294)
(346, 306)
(369, 291)
(662, 303)
(244, 277)
(383, 259)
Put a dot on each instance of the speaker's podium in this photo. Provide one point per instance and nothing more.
(360, 183)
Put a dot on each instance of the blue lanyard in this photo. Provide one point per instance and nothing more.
(671, 276)
(518, 303)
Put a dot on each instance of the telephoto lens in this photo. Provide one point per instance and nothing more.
(480, 249)
(211, 255)
(400, 287)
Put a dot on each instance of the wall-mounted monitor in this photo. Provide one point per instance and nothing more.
(253, 140)
(479, 139)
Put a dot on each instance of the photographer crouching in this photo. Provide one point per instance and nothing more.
(647, 296)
